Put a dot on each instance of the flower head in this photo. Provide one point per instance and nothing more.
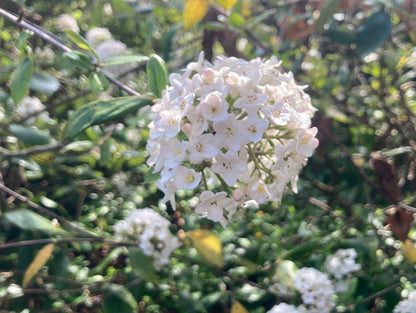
(244, 124)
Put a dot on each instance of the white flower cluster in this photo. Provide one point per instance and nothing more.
(244, 124)
(151, 231)
(316, 289)
(342, 263)
(66, 22)
(286, 308)
(32, 105)
(407, 305)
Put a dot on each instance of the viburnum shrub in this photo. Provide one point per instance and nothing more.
(239, 129)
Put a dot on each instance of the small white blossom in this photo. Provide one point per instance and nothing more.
(342, 263)
(33, 106)
(97, 35)
(229, 166)
(213, 205)
(151, 231)
(286, 308)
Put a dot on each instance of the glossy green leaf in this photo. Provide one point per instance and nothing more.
(29, 220)
(21, 78)
(79, 60)
(236, 19)
(118, 299)
(142, 265)
(328, 9)
(44, 83)
(98, 82)
(101, 111)
(30, 136)
(123, 59)
(157, 74)
(81, 42)
(373, 33)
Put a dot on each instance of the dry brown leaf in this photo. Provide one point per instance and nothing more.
(399, 223)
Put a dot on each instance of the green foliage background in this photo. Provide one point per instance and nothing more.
(359, 62)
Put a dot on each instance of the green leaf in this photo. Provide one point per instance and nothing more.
(21, 78)
(44, 83)
(28, 220)
(122, 59)
(158, 75)
(118, 299)
(142, 265)
(81, 42)
(30, 136)
(236, 19)
(328, 9)
(37, 263)
(373, 33)
(101, 111)
(79, 60)
(98, 82)
(340, 36)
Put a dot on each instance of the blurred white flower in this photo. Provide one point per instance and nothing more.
(316, 289)
(342, 263)
(286, 308)
(32, 105)
(151, 231)
(97, 35)
(407, 305)
(66, 22)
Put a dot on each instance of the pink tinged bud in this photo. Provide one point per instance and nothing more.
(186, 128)
(208, 75)
(237, 195)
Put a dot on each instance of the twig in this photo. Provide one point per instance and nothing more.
(7, 154)
(46, 211)
(45, 36)
(63, 240)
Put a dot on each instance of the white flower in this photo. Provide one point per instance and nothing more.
(213, 205)
(214, 107)
(407, 305)
(66, 22)
(97, 35)
(151, 231)
(246, 121)
(201, 148)
(33, 106)
(286, 308)
(228, 133)
(186, 178)
(316, 289)
(342, 263)
(229, 166)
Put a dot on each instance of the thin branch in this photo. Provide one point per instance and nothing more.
(7, 154)
(39, 31)
(63, 240)
(45, 211)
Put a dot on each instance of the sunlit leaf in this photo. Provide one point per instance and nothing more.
(122, 59)
(21, 78)
(409, 251)
(98, 82)
(238, 308)
(28, 220)
(207, 244)
(81, 42)
(79, 60)
(227, 4)
(194, 12)
(157, 74)
(101, 111)
(37, 263)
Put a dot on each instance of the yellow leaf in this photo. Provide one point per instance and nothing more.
(409, 251)
(227, 4)
(238, 308)
(207, 244)
(37, 263)
(43, 158)
(194, 12)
